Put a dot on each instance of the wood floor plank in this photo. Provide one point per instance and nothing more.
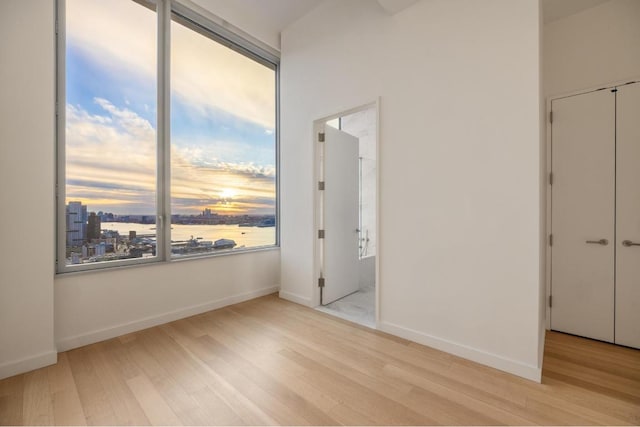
(125, 406)
(271, 362)
(178, 399)
(615, 385)
(192, 377)
(381, 409)
(478, 376)
(609, 366)
(249, 412)
(153, 404)
(326, 352)
(67, 407)
(95, 401)
(231, 340)
(11, 400)
(604, 409)
(37, 404)
(268, 359)
(464, 399)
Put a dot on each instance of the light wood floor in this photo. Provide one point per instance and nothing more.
(268, 361)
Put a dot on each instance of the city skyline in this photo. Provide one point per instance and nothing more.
(205, 213)
(222, 125)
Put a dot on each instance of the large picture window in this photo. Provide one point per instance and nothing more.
(160, 158)
(223, 157)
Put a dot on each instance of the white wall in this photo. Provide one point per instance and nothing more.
(88, 306)
(459, 245)
(597, 46)
(98, 305)
(26, 185)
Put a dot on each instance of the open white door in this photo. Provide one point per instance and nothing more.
(340, 215)
(583, 217)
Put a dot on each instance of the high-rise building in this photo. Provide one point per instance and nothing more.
(76, 223)
(101, 249)
(93, 227)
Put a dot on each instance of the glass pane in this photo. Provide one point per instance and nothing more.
(110, 137)
(223, 147)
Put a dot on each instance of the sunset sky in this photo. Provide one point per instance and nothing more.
(222, 108)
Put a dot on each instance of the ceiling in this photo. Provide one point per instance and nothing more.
(552, 10)
(265, 19)
(278, 13)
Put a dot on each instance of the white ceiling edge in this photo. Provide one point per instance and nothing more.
(233, 17)
(263, 19)
(394, 6)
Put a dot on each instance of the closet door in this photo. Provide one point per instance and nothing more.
(583, 209)
(628, 216)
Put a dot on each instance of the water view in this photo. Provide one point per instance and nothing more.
(243, 236)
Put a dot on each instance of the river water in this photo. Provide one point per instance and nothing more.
(243, 236)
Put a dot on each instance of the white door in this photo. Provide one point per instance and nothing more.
(583, 215)
(628, 216)
(340, 203)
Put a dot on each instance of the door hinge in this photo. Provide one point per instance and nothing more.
(550, 116)
(321, 137)
(550, 239)
(320, 185)
(321, 282)
(320, 234)
(550, 178)
(550, 301)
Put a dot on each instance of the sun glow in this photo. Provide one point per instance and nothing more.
(228, 193)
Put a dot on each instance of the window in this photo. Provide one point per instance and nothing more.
(159, 159)
(222, 144)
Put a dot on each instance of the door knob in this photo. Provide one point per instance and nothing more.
(603, 242)
(629, 243)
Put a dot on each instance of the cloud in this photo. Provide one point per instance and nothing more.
(111, 150)
(110, 159)
(111, 165)
(120, 35)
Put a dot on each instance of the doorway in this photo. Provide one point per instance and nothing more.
(346, 214)
(595, 211)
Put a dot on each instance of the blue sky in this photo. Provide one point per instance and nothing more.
(222, 126)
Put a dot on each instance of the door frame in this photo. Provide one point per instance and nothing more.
(547, 185)
(318, 124)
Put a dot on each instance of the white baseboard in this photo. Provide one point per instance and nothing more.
(520, 369)
(15, 367)
(68, 343)
(298, 299)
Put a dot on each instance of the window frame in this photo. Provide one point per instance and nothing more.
(219, 32)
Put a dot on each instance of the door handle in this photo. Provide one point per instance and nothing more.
(629, 243)
(603, 242)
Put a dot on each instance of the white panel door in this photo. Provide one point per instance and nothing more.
(583, 209)
(628, 216)
(340, 255)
